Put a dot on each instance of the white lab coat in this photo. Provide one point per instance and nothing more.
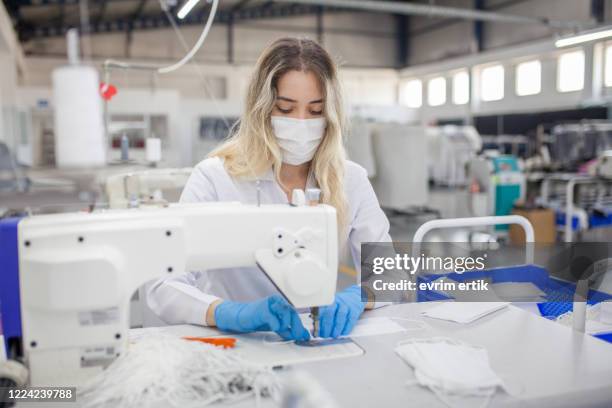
(185, 298)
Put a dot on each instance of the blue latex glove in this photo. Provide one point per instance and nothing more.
(270, 314)
(339, 318)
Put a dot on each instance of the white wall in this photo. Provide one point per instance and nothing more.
(361, 39)
(594, 92)
(182, 98)
(11, 66)
(456, 38)
(6, 90)
(358, 41)
(499, 35)
(429, 43)
(355, 39)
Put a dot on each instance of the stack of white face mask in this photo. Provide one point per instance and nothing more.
(458, 373)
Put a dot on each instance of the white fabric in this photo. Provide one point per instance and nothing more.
(456, 372)
(463, 312)
(371, 326)
(298, 138)
(174, 300)
(596, 316)
(606, 312)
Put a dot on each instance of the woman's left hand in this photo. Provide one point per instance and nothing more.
(339, 318)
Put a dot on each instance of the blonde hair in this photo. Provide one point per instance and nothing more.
(252, 147)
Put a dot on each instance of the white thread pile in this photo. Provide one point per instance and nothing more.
(178, 373)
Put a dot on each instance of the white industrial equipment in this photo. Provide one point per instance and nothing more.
(79, 130)
(145, 186)
(78, 271)
(359, 145)
(496, 183)
(395, 157)
(603, 165)
(450, 148)
(400, 153)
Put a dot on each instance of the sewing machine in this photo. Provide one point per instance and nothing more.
(144, 186)
(66, 279)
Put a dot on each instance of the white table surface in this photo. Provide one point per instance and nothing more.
(544, 363)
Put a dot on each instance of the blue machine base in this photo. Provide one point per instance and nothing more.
(10, 308)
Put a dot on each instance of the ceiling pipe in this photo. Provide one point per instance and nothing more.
(383, 6)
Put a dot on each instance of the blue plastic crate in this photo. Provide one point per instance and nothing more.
(520, 273)
(595, 220)
(559, 294)
(560, 220)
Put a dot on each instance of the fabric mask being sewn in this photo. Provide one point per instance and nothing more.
(298, 138)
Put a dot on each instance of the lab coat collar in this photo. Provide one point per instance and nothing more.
(269, 176)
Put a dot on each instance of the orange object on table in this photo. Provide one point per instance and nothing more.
(225, 342)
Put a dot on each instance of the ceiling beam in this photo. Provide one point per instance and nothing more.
(402, 40)
(479, 28)
(240, 5)
(137, 12)
(36, 3)
(159, 21)
(598, 10)
(101, 12)
(432, 10)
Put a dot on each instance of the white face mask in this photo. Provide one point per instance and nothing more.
(298, 138)
(458, 373)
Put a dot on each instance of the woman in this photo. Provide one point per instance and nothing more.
(289, 137)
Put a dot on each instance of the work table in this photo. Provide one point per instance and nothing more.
(543, 363)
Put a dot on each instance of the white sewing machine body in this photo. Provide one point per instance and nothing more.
(144, 186)
(78, 271)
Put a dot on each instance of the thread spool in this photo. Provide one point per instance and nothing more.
(153, 149)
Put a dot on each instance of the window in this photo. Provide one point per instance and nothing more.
(492, 83)
(608, 66)
(436, 91)
(570, 71)
(411, 93)
(461, 88)
(529, 78)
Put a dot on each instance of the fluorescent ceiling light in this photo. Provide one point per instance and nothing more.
(584, 37)
(186, 8)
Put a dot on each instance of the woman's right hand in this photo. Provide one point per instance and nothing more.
(269, 314)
